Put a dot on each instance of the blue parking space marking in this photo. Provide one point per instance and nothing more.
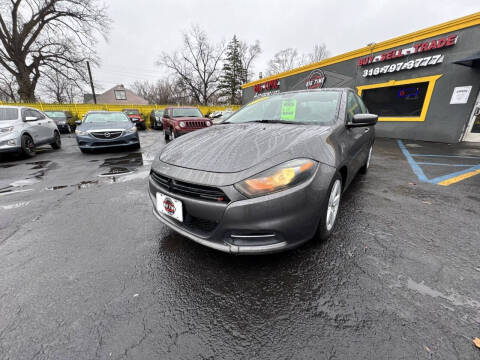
(444, 179)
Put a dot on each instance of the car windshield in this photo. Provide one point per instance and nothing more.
(187, 112)
(318, 107)
(131, 112)
(55, 114)
(8, 114)
(105, 117)
(158, 112)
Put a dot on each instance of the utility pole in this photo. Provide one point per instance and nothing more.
(91, 83)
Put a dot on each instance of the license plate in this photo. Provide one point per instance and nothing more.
(169, 206)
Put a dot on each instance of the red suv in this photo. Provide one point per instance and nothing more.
(181, 120)
(135, 117)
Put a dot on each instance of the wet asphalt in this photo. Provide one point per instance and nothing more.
(87, 272)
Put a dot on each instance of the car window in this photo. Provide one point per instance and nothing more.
(352, 106)
(8, 114)
(131, 111)
(317, 107)
(362, 104)
(55, 114)
(38, 114)
(105, 117)
(166, 112)
(186, 112)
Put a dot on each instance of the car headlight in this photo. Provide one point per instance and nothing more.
(280, 177)
(131, 130)
(7, 130)
(181, 124)
(209, 123)
(81, 133)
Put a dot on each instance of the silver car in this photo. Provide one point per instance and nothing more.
(22, 129)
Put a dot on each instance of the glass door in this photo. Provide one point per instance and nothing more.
(473, 130)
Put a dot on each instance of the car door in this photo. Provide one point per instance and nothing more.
(46, 126)
(34, 127)
(356, 136)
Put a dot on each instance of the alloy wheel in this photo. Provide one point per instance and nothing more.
(333, 204)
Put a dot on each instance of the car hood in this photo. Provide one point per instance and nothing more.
(8, 123)
(233, 148)
(189, 118)
(106, 125)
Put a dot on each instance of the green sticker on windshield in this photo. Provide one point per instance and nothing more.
(289, 107)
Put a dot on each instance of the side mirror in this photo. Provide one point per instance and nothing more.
(31, 118)
(360, 120)
(78, 122)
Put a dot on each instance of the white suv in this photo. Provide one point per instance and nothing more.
(22, 129)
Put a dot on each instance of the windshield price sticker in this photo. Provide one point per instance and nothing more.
(407, 65)
(289, 108)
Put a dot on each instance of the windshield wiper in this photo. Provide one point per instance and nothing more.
(275, 121)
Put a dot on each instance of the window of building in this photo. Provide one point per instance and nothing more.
(401, 100)
(120, 95)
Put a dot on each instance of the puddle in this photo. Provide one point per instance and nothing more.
(117, 171)
(94, 160)
(132, 159)
(39, 164)
(455, 299)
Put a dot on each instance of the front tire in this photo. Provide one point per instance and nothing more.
(330, 208)
(28, 146)
(57, 141)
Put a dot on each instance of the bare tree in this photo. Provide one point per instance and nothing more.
(8, 88)
(283, 60)
(197, 65)
(41, 35)
(288, 59)
(248, 54)
(61, 89)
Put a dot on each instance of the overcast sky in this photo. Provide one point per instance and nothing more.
(142, 29)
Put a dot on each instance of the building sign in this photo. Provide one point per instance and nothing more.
(415, 49)
(267, 86)
(407, 65)
(316, 79)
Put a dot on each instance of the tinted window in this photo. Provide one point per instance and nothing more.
(352, 106)
(106, 117)
(131, 111)
(8, 114)
(400, 100)
(187, 112)
(309, 107)
(55, 114)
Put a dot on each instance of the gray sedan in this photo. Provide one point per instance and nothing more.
(270, 177)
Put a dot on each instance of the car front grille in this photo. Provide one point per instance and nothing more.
(196, 124)
(105, 135)
(189, 189)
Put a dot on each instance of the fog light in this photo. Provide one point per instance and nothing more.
(12, 142)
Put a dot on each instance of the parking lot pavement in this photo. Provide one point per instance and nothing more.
(87, 272)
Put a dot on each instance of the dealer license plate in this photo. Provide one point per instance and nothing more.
(170, 206)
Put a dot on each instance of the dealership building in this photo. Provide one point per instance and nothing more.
(424, 85)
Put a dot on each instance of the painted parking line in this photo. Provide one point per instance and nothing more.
(444, 180)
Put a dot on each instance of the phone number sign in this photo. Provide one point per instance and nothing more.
(405, 65)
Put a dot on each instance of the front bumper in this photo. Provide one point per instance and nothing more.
(10, 143)
(265, 224)
(90, 142)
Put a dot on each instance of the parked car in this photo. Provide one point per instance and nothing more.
(22, 129)
(221, 116)
(182, 120)
(269, 178)
(64, 119)
(106, 129)
(156, 119)
(136, 117)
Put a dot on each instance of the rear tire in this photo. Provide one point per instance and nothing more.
(57, 142)
(28, 146)
(328, 215)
